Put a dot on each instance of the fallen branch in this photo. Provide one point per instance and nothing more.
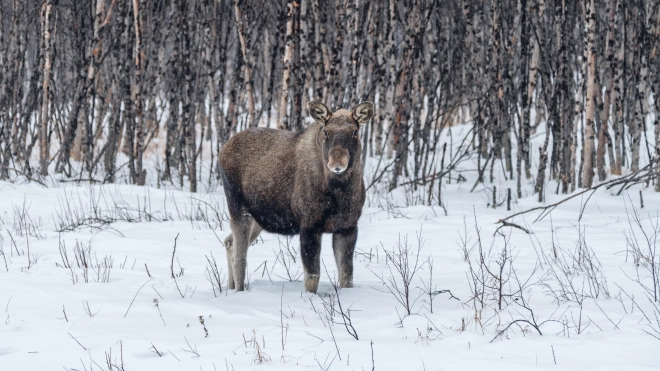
(29, 177)
(509, 224)
(644, 174)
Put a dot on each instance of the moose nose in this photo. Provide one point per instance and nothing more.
(337, 169)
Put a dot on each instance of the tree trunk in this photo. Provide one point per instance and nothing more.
(283, 119)
(240, 29)
(618, 122)
(590, 114)
(391, 52)
(137, 96)
(297, 73)
(44, 145)
(655, 61)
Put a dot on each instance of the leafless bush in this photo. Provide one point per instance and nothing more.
(644, 252)
(518, 304)
(114, 364)
(201, 321)
(181, 270)
(642, 247)
(24, 226)
(571, 279)
(465, 246)
(327, 362)
(367, 256)
(489, 272)
(23, 223)
(586, 262)
(333, 312)
(157, 305)
(2, 252)
(653, 320)
(326, 314)
(13, 242)
(153, 349)
(497, 286)
(431, 290)
(414, 195)
(287, 256)
(344, 313)
(259, 355)
(524, 314)
(85, 264)
(97, 210)
(191, 349)
(426, 335)
(79, 213)
(393, 211)
(402, 271)
(574, 275)
(203, 214)
(213, 275)
(654, 323)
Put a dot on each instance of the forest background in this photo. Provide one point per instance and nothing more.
(93, 88)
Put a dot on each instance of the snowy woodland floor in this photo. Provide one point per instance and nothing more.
(575, 294)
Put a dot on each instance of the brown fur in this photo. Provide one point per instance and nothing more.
(306, 183)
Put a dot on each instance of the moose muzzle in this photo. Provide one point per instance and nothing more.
(338, 160)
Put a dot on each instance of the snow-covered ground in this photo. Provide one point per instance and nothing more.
(126, 312)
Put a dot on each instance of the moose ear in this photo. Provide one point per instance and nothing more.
(363, 112)
(319, 111)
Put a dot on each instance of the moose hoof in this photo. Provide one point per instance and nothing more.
(346, 281)
(311, 283)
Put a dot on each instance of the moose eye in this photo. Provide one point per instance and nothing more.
(355, 134)
(325, 133)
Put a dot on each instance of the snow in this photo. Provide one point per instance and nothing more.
(275, 325)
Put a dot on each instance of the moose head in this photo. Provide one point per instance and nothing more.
(339, 137)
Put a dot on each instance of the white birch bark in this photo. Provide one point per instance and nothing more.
(590, 114)
(286, 68)
(44, 153)
(246, 65)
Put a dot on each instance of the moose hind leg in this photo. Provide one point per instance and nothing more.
(255, 230)
(310, 253)
(229, 242)
(241, 228)
(343, 245)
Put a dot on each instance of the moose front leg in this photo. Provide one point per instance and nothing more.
(343, 245)
(310, 252)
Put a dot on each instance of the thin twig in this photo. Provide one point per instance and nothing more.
(77, 341)
(136, 294)
(173, 252)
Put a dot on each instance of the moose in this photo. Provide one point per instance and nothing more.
(305, 183)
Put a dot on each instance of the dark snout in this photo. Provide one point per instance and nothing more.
(338, 159)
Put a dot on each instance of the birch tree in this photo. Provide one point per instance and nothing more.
(286, 67)
(589, 133)
(44, 145)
